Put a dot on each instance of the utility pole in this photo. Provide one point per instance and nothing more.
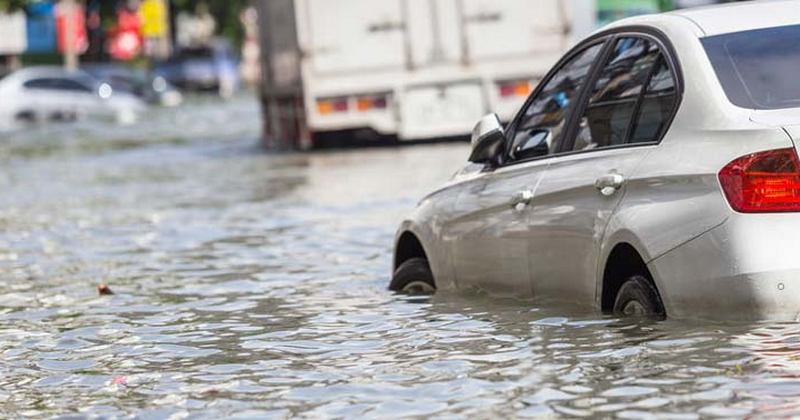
(165, 41)
(70, 35)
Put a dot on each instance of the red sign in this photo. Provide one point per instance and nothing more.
(126, 39)
(71, 26)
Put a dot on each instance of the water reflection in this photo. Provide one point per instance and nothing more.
(253, 285)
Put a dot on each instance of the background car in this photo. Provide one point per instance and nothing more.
(148, 87)
(39, 94)
(211, 68)
(653, 171)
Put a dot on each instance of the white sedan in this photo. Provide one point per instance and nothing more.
(42, 94)
(654, 171)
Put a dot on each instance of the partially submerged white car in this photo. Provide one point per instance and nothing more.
(654, 171)
(43, 94)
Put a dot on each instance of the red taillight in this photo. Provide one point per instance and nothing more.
(332, 105)
(514, 88)
(368, 103)
(766, 182)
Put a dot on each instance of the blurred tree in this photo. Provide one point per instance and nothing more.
(226, 12)
(11, 5)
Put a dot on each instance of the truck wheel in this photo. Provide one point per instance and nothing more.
(638, 298)
(413, 277)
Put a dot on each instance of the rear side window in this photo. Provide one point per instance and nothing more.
(758, 69)
(632, 98)
(70, 86)
(657, 105)
(54, 83)
(38, 84)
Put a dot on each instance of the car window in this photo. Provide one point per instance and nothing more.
(196, 53)
(658, 105)
(57, 83)
(70, 86)
(758, 68)
(606, 119)
(38, 84)
(540, 128)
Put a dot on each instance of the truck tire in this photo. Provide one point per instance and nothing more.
(638, 298)
(413, 277)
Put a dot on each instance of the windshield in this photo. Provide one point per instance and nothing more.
(196, 53)
(758, 69)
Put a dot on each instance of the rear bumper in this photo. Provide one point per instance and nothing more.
(747, 268)
(382, 121)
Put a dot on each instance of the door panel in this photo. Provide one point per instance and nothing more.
(489, 234)
(581, 191)
(569, 218)
(491, 245)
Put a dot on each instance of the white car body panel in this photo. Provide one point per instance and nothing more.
(49, 104)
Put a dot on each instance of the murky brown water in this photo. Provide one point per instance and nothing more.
(253, 286)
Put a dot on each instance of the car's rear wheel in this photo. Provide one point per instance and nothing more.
(638, 298)
(413, 277)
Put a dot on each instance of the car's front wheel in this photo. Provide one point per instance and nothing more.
(413, 277)
(638, 298)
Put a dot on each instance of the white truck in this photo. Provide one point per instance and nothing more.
(407, 69)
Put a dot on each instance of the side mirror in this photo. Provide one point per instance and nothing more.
(537, 144)
(488, 139)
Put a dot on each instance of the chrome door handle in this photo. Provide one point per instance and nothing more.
(609, 184)
(521, 200)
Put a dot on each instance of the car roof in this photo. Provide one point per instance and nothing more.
(722, 19)
(738, 17)
(36, 72)
(49, 71)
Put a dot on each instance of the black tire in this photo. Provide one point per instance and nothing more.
(638, 298)
(413, 277)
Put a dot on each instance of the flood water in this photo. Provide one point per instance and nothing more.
(250, 285)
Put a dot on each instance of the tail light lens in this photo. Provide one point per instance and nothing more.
(332, 105)
(766, 182)
(514, 88)
(363, 103)
(367, 103)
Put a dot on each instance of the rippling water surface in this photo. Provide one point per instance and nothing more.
(252, 285)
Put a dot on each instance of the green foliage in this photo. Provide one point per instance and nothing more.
(11, 5)
(226, 12)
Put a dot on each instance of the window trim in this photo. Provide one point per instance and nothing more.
(573, 53)
(571, 124)
(637, 108)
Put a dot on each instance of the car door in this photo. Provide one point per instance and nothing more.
(82, 96)
(489, 235)
(583, 187)
(37, 98)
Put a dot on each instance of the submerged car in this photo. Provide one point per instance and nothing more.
(654, 171)
(211, 68)
(42, 94)
(150, 88)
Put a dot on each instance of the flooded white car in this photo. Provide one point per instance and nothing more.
(654, 171)
(45, 94)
